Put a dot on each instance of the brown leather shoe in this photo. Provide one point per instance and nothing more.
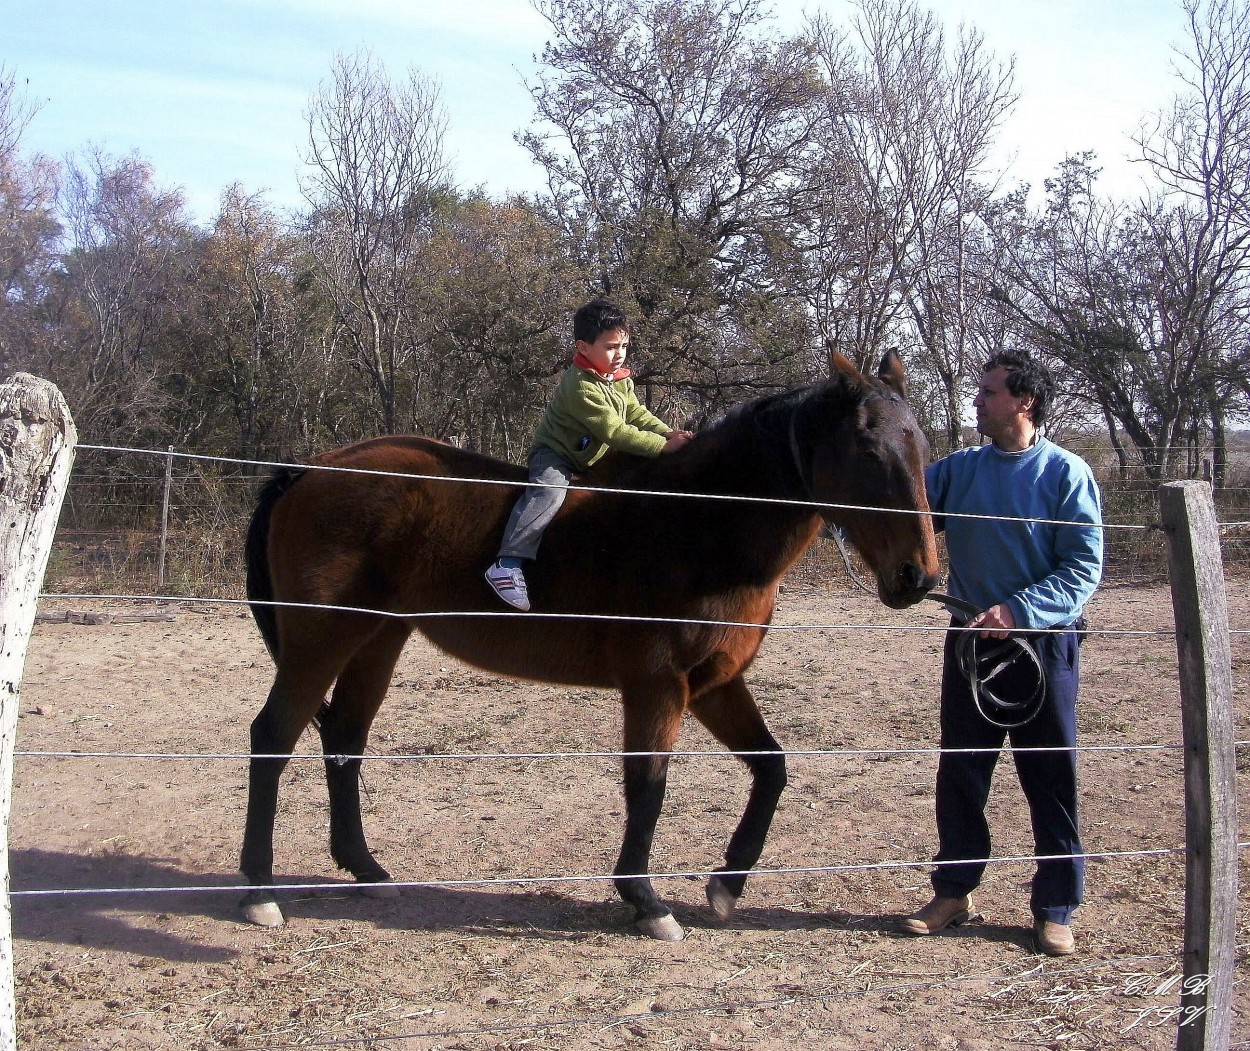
(1054, 939)
(939, 914)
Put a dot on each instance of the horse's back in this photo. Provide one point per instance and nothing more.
(416, 456)
(379, 473)
(386, 522)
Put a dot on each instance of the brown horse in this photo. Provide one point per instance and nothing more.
(414, 545)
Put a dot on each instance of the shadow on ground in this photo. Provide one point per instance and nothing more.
(154, 923)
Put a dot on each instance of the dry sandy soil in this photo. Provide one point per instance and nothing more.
(811, 959)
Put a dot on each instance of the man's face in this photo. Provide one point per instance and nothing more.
(1000, 414)
(607, 353)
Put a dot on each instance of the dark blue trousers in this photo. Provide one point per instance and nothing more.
(1047, 778)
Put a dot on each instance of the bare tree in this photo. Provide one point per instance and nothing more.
(1199, 150)
(16, 113)
(29, 232)
(907, 126)
(375, 148)
(120, 283)
(1109, 291)
(672, 132)
(262, 379)
(1200, 146)
(502, 289)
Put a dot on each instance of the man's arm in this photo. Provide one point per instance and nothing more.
(1076, 558)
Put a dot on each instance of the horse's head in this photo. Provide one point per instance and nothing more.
(866, 450)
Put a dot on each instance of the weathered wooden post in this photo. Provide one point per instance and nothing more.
(169, 473)
(37, 440)
(1200, 605)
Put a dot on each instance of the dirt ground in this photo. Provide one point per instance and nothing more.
(810, 960)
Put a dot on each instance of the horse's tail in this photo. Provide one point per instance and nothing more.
(259, 583)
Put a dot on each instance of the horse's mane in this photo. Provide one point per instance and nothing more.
(766, 406)
(764, 421)
(763, 424)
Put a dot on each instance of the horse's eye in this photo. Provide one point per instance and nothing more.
(874, 452)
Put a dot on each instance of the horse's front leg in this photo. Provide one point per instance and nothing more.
(652, 718)
(730, 714)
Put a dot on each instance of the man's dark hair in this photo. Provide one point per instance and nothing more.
(1026, 378)
(597, 317)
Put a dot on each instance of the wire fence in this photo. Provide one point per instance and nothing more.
(205, 474)
(572, 877)
(208, 508)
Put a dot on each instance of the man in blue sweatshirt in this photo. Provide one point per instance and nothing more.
(1025, 568)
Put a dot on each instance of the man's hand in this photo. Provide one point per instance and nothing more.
(676, 439)
(997, 622)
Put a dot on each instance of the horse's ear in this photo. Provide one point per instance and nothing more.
(839, 362)
(891, 372)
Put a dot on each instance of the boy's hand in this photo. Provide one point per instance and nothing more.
(676, 439)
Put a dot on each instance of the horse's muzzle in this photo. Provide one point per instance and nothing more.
(910, 586)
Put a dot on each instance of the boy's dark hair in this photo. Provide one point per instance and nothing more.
(597, 317)
(1026, 378)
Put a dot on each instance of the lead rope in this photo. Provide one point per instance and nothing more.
(981, 660)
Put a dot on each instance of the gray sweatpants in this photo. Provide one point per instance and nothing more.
(538, 505)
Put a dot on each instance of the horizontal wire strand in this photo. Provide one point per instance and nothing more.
(508, 881)
(799, 753)
(606, 489)
(435, 614)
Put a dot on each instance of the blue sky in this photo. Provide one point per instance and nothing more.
(215, 91)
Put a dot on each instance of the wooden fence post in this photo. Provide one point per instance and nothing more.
(1200, 605)
(169, 473)
(37, 440)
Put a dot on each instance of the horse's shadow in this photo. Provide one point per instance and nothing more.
(105, 921)
(166, 930)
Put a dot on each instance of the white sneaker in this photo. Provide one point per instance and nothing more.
(509, 585)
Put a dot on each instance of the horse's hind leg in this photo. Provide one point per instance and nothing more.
(308, 662)
(293, 701)
(729, 712)
(344, 727)
(652, 718)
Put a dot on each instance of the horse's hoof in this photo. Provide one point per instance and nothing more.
(379, 889)
(661, 928)
(263, 913)
(720, 898)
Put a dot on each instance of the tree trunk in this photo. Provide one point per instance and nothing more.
(1113, 432)
(1219, 444)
